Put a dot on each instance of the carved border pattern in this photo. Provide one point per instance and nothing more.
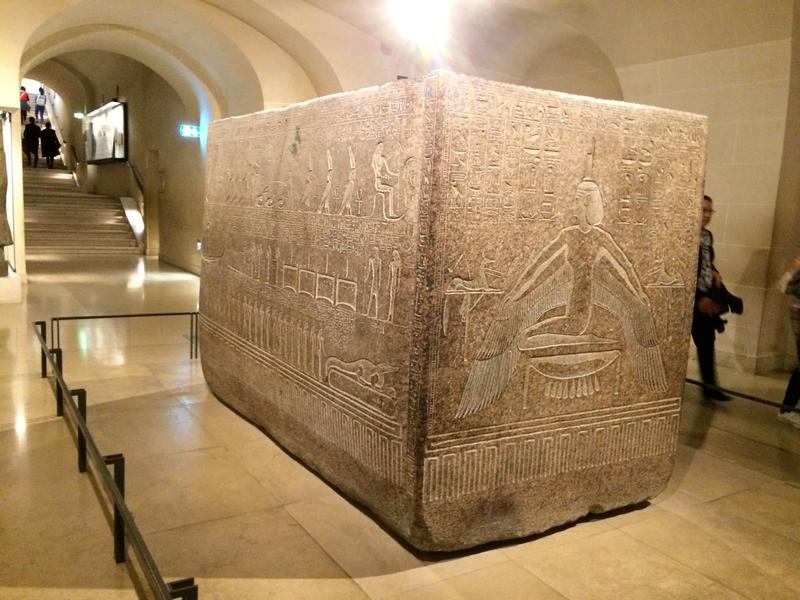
(465, 465)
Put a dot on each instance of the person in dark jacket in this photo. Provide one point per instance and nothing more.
(792, 394)
(708, 306)
(30, 142)
(50, 144)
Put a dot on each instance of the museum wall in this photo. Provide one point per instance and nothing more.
(776, 342)
(182, 173)
(743, 91)
(107, 71)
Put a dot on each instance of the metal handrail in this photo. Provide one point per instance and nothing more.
(137, 177)
(87, 446)
(194, 326)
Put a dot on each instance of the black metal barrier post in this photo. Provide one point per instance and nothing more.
(81, 395)
(42, 325)
(114, 487)
(183, 588)
(118, 461)
(60, 368)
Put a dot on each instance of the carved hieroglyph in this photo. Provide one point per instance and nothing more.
(466, 304)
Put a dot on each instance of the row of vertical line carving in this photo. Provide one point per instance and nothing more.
(376, 451)
(471, 469)
(372, 448)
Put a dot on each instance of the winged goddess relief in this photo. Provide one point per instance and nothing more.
(549, 315)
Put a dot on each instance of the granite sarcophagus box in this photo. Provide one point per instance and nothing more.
(466, 304)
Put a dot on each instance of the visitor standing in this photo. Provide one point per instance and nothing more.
(41, 102)
(50, 144)
(30, 142)
(24, 104)
(708, 306)
(792, 394)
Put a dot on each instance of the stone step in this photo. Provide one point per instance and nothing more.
(35, 216)
(91, 232)
(36, 187)
(67, 194)
(50, 225)
(58, 250)
(68, 206)
(82, 207)
(82, 240)
(57, 166)
(39, 216)
(50, 177)
(63, 207)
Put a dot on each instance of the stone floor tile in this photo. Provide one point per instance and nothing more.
(615, 565)
(265, 545)
(288, 479)
(167, 491)
(279, 589)
(374, 559)
(506, 580)
(695, 547)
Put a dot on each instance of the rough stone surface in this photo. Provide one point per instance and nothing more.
(5, 230)
(466, 304)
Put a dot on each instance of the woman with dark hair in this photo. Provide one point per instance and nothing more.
(50, 144)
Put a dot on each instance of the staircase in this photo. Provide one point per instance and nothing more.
(60, 219)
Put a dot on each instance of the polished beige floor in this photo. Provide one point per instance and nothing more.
(217, 500)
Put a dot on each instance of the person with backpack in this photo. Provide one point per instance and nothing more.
(41, 102)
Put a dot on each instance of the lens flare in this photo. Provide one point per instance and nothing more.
(425, 22)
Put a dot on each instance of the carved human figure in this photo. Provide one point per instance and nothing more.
(373, 281)
(278, 267)
(394, 281)
(266, 261)
(327, 193)
(308, 185)
(579, 271)
(350, 189)
(320, 355)
(304, 347)
(384, 189)
(268, 328)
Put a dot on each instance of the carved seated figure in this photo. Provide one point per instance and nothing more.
(549, 315)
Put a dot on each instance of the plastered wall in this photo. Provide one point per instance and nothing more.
(776, 342)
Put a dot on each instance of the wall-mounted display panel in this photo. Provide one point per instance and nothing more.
(105, 133)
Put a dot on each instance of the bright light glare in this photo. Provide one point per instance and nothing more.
(20, 425)
(78, 115)
(136, 279)
(136, 220)
(425, 22)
